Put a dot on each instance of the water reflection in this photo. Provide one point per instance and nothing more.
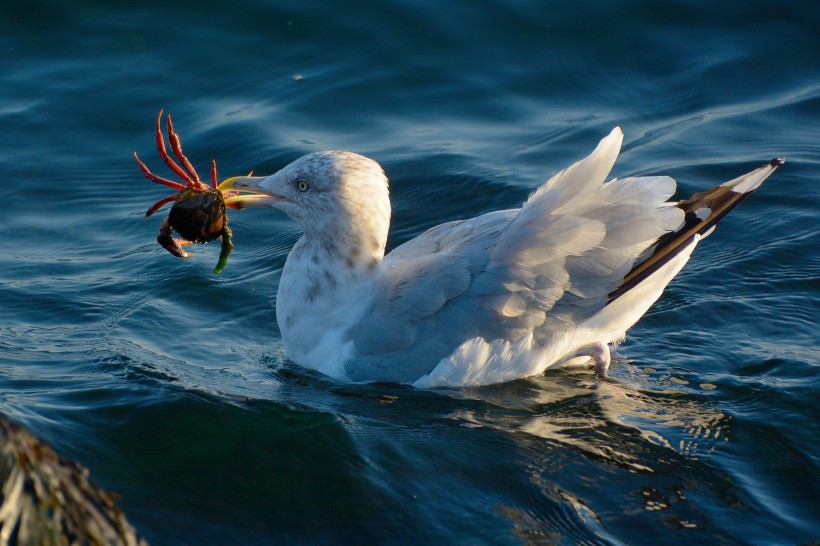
(640, 435)
(603, 419)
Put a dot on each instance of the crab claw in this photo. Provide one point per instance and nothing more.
(169, 243)
(174, 246)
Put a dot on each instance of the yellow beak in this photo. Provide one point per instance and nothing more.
(243, 192)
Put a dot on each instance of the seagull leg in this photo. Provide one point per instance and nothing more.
(601, 357)
(599, 352)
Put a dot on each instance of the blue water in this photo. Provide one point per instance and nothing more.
(172, 386)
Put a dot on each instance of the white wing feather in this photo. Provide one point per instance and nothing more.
(517, 278)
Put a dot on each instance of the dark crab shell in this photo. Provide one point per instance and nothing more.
(199, 215)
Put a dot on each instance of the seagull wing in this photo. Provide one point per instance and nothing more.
(421, 277)
(536, 271)
(702, 213)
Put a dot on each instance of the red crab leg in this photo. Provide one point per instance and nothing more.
(213, 173)
(158, 205)
(167, 158)
(158, 179)
(176, 146)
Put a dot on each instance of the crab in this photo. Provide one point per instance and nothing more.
(198, 212)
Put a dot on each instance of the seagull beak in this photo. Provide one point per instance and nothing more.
(243, 192)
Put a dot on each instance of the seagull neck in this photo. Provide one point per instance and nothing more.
(357, 255)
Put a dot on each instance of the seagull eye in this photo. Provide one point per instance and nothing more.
(302, 186)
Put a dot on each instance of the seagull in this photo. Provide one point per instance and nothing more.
(491, 299)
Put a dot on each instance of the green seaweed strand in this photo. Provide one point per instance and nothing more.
(227, 247)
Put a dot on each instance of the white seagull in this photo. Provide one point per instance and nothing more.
(494, 298)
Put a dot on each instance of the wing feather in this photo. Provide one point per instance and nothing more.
(536, 271)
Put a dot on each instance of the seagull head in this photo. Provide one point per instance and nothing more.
(334, 196)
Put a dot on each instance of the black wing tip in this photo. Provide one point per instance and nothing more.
(719, 201)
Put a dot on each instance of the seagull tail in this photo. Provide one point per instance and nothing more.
(702, 212)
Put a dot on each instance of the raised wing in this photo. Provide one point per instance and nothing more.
(536, 271)
(575, 239)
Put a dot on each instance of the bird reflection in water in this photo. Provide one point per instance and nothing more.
(601, 418)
